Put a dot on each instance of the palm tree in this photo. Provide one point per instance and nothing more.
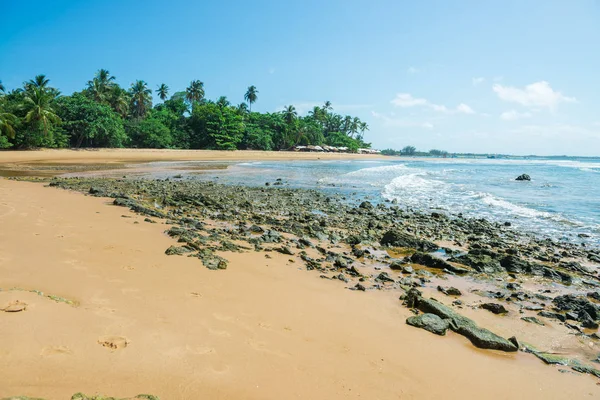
(100, 86)
(195, 92)
(119, 99)
(290, 114)
(141, 98)
(363, 127)
(7, 120)
(251, 95)
(2, 88)
(39, 82)
(38, 105)
(327, 106)
(162, 91)
(223, 102)
(242, 108)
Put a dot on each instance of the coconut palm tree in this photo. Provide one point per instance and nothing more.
(223, 102)
(38, 107)
(327, 106)
(119, 100)
(162, 91)
(40, 82)
(290, 114)
(2, 88)
(141, 98)
(242, 108)
(251, 95)
(362, 127)
(195, 92)
(7, 122)
(99, 87)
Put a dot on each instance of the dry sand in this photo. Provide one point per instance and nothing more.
(144, 322)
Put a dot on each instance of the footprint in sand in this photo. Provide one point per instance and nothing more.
(15, 306)
(114, 342)
(56, 351)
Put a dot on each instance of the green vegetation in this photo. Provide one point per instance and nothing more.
(412, 151)
(104, 114)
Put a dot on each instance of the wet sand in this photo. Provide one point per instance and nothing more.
(130, 320)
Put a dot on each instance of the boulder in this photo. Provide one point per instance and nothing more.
(494, 308)
(430, 322)
(479, 261)
(397, 238)
(433, 262)
(451, 291)
(480, 337)
(523, 177)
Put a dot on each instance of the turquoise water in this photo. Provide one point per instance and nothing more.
(562, 200)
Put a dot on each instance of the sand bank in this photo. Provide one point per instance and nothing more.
(130, 319)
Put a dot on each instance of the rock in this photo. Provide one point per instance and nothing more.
(365, 205)
(285, 250)
(523, 177)
(479, 261)
(594, 295)
(480, 337)
(569, 302)
(494, 308)
(533, 320)
(177, 251)
(549, 358)
(396, 238)
(429, 322)
(407, 269)
(384, 277)
(397, 265)
(342, 278)
(433, 262)
(451, 291)
(359, 286)
(551, 315)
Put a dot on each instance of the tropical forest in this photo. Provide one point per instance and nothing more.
(105, 114)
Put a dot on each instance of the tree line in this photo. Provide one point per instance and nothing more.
(412, 151)
(104, 114)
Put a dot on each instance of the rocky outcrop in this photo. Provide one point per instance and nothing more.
(430, 322)
(480, 337)
(523, 177)
(397, 238)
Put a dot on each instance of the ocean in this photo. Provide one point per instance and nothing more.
(562, 200)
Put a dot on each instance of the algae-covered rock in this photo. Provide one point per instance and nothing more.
(398, 238)
(429, 322)
(434, 262)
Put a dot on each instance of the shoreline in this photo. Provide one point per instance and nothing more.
(240, 343)
(106, 296)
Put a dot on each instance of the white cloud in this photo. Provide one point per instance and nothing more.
(477, 81)
(538, 94)
(405, 100)
(400, 123)
(412, 70)
(513, 115)
(465, 109)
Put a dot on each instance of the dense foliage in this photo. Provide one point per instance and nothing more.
(104, 114)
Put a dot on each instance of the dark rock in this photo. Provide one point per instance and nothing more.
(533, 320)
(384, 277)
(569, 302)
(551, 315)
(451, 291)
(429, 322)
(433, 262)
(285, 250)
(366, 205)
(479, 261)
(494, 308)
(594, 295)
(360, 287)
(397, 238)
(523, 177)
(480, 337)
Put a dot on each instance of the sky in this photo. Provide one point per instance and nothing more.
(518, 77)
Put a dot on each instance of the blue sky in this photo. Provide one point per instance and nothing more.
(471, 76)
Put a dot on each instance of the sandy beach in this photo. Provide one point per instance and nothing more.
(109, 313)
